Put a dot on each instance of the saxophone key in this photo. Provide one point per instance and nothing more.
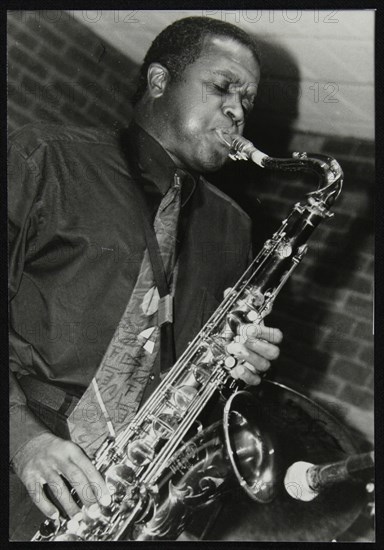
(201, 373)
(76, 525)
(97, 513)
(230, 362)
(49, 527)
(164, 425)
(184, 396)
(140, 452)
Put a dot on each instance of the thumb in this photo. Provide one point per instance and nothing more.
(227, 291)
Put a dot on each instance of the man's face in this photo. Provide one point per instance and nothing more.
(215, 92)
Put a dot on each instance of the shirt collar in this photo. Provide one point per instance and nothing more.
(151, 162)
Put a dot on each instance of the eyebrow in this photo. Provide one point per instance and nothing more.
(228, 74)
(231, 75)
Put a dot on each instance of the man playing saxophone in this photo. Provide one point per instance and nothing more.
(78, 246)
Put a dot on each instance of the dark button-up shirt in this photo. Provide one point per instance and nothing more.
(76, 245)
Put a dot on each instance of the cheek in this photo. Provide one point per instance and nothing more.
(198, 120)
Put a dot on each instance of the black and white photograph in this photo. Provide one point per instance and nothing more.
(190, 198)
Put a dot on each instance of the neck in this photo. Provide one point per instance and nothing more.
(145, 117)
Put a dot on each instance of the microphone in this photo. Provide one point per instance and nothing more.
(304, 480)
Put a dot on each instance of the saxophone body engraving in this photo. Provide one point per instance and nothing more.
(169, 461)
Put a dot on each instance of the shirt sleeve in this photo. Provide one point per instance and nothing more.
(23, 188)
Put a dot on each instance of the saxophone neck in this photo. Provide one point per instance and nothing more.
(327, 168)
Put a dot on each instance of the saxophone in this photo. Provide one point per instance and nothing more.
(169, 461)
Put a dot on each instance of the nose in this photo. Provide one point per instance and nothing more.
(233, 109)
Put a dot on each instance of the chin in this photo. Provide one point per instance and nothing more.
(214, 163)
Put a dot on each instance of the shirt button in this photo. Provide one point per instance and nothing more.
(151, 377)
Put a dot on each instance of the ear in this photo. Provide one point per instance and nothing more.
(158, 78)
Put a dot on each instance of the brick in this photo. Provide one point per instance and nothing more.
(113, 61)
(291, 369)
(52, 38)
(17, 33)
(47, 115)
(370, 382)
(328, 384)
(96, 93)
(351, 371)
(77, 33)
(339, 147)
(17, 117)
(307, 355)
(360, 284)
(84, 61)
(367, 172)
(357, 396)
(292, 327)
(357, 172)
(120, 85)
(340, 222)
(71, 93)
(18, 56)
(339, 322)
(77, 116)
(366, 149)
(360, 306)
(16, 96)
(306, 142)
(363, 331)
(30, 85)
(101, 116)
(367, 355)
(13, 73)
(60, 64)
(336, 342)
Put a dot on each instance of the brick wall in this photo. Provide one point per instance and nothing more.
(326, 308)
(59, 71)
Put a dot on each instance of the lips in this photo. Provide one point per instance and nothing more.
(225, 137)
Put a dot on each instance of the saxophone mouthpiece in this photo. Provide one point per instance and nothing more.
(225, 138)
(241, 148)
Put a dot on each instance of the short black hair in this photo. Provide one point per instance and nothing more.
(181, 43)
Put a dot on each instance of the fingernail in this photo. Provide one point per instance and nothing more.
(105, 500)
(55, 516)
(93, 511)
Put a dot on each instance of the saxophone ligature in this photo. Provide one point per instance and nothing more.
(167, 462)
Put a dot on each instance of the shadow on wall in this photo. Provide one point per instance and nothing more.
(269, 127)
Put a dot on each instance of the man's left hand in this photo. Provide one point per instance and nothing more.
(255, 346)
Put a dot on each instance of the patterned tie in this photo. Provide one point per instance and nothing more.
(114, 395)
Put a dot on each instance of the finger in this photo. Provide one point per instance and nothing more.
(246, 372)
(79, 481)
(36, 493)
(252, 331)
(61, 493)
(94, 479)
(240, 351)
(263, 348)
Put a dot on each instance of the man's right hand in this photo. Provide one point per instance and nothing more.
(45, 460)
